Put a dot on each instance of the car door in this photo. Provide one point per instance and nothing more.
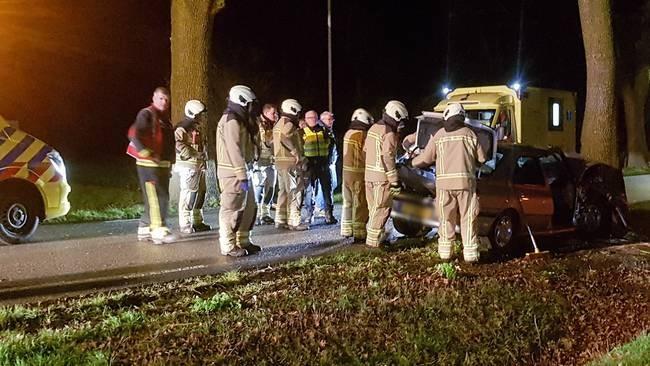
(533, 194)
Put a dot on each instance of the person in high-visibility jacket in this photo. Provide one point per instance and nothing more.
(290, 163)
(457, 153)
(354, 216)
(318, 144)
(236, 150)
(190, 166)
(152, 146)
(382, 181)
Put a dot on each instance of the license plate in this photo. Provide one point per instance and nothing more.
(415, 210)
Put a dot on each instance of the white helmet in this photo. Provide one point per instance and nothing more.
(362, 115)
(453, 109)
(291, 106)
(396, 110)
(193, 108)
(242, 95)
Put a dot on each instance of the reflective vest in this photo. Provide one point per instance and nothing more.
(317, 142)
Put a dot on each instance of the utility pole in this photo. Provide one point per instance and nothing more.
(329, 54)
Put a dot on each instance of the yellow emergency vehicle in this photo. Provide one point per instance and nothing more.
(532, 116)
(33, 184)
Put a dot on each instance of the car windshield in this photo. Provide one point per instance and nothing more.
(485, 116)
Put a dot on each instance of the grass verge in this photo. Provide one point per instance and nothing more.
(635, 353)
(356, 307)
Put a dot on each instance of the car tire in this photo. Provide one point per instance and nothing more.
(503, 233)
(18, 218)
(596, 221)
(408, 228)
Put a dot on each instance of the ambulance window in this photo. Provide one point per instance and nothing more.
(555, 115)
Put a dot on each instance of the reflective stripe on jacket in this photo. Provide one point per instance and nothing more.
(457, 155)
(235, 149)
(287, 144)
(316, 142)
(380, 148)
(354, 158)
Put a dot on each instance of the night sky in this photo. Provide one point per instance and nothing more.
(75, 72)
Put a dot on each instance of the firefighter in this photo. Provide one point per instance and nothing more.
(290, 163)
(152, 146)
(355, 207)
(457, 154)
(264, 172)
(381, 177)
(190, 166)
(318, 143)
(236, 150)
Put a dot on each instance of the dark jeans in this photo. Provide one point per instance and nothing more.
(154, 183)
(319, 172)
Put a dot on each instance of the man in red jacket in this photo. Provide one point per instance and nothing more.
(152, 146)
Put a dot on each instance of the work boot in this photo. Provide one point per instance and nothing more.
(144, 233)
(162, 235)
(267, 220)
(197, 228)
(252, 248)
(236, 252)
(186, 229)
(329, 218)
(281, 226)
(299, 227)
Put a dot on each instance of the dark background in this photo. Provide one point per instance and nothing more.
(75, 72)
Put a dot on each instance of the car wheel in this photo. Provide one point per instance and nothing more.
(18, 218)
(503, 232)
(408, 228)
(595, 219)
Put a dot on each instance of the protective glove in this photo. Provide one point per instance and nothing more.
(395, 189)
(243, 185)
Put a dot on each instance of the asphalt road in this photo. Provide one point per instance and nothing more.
(77, 258)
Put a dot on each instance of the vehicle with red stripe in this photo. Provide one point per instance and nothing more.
(33, 184)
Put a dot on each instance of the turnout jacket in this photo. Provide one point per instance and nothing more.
(380, 149)
(287, 143)
(457, 154)
(354, 158)
(189, 144)
(235, 148)
(151, 139)
(266, 142)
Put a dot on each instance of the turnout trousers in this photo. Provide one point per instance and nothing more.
(192, 196)
(454, 206)
(154, 184)
(236, 215)
(290, 197)
(354, 216)
(379, 206)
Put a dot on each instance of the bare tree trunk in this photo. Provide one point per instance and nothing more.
(635, 93)
(192, 23)
(599, 130)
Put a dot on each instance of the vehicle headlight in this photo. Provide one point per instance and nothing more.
(57, 162)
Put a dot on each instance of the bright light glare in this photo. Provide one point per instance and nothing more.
(445, 90)
(556, 114)
(516, 86)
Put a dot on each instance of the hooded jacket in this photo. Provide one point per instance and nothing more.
(457, 154)
(380, 148)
